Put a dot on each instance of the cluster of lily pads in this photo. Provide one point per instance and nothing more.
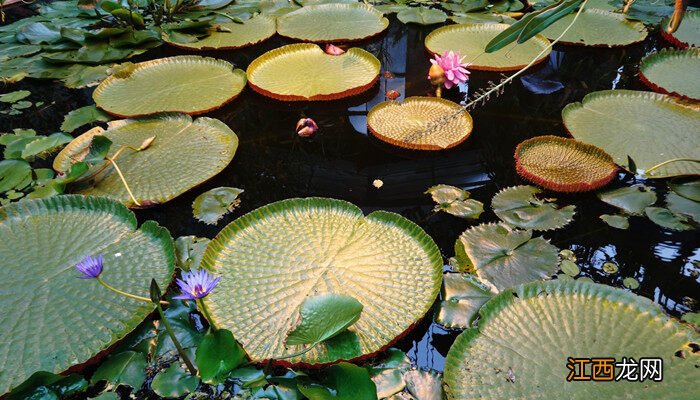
(315, 282)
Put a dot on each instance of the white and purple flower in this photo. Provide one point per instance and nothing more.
(90, 267)
(196, 284)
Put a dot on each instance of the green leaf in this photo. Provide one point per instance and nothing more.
(546, 18)
(178, 314)
(616, 221)
(83, 116)
(666, 219)
(632, 200)
(15, 96)
(45, 145)
(512, 33)
(523, 207)
(38, 33)
(570, 268)
(422, 16)
(45, 385)
(14, 174)
(462, 297)
(342, 381)
(174, 382)
(217, 355)
(210, 206)
(455, 201)
(127, 368)
(630, 283)
(189, 251)
(682, 206)
(688, 187)
(323, 317)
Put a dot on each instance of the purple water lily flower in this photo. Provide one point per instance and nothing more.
(196, 284)
(90, 267)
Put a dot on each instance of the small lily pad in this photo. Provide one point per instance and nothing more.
(666, 219)
(455, 201)
(630, 283)
(610, 267)
(570, 268)
(519, 206)
(421, 16)
(335, 22)
(217, 355)
(229, 35)
(632, 199)
(174, 382)
(13, 97)
(127, 368)
(462, 297)
(83, 116)
(616, 221)
(210, 206)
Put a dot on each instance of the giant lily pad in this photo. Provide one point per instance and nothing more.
(230, 35)
(184, 154)
(526, 337)
(598, 28)
(525, 207)
(305, 72)
(563, 165)
(688, 32)
(505, 257)
(332, 22)
(671, 71)
(471, 39)
(416, 123)
(650, 128)
(277, 256)
(188, 84)
(51, 319)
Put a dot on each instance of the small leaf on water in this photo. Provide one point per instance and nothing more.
(83, 116)
(189, 251)
(630, 283)
(217, 355)
(15, 96)
(455, 201)
(463, 295)
(98, 150)
(323, 317)
(174, 382)
(632, 200)
(520, 206)
(343, 381)
(570, 268)
(666, 219)
(616, 221)
(610, 268)
(567, 254)
(209, 207)
(688, 187)
(127, 368)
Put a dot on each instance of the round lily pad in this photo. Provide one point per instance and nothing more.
(667, 71)
(302, 72)
(335, 22)
(183, 154)
(564, 165)
(188, 84)
(688, 32)
(52, 320)
(416, 123)
(526, 337)
(274, 258)
(471, 40)
(598, 28)
(648, 127)
(231, 35)
(527, 208)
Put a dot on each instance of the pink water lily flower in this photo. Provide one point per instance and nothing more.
(455, 71)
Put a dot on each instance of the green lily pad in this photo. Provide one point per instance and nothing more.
(688, 187)
(688, 32)
(174, 382)
(64, 333)
(188, 84)
(610, 267)
(184, 154)
(342, 381)
(638, 118)
(421, 16)
(15, 96)
(424, 385)
(597, 28)
(274, 258)
(616, 221)
(523, 207)
(667, 71)
(505, 257)
(525, 331)
(569, 268)
(630, 283)
(311, 74)
(189, 251)
(210, 206)
(83, 116)
(455, 201)
(632, 200)
(680, 205)
(337, 22)
(471, 39)
(14, 174)
(666, 219)
(230, 35)
(217, 355)
(462, 297)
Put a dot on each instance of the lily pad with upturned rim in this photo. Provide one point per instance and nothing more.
(304, 72)
(231, 35)
(275, 257)
(671, 71)
(650, 128)
(184, 154)
(564, 165)
(335, 22)
(597, 28)
(688, 32)
(471, 40)
(533, 327)
(187, 84)
(42, 241)
(405, 124)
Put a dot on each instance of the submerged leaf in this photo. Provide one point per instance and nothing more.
(520, 207)
(323, 317)
(210, 206)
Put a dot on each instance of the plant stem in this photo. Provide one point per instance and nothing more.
(657, 166)
(298, 353)
(129, 295)
(205, 311)
(126, 185)
(176, 342)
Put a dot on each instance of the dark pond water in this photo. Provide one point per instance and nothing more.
(342, 161)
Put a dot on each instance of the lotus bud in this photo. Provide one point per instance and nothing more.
(334, 50)
(436, 75)
(306, 127)
(147, 143)
(392, 95)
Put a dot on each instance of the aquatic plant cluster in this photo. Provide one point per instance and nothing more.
(310, 298)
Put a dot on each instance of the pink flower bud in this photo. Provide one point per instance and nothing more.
(334, 50)
(306, 127)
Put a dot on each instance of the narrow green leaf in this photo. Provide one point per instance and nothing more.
(547, 18)
(217, 355)
(509, 35)
(323, 317)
